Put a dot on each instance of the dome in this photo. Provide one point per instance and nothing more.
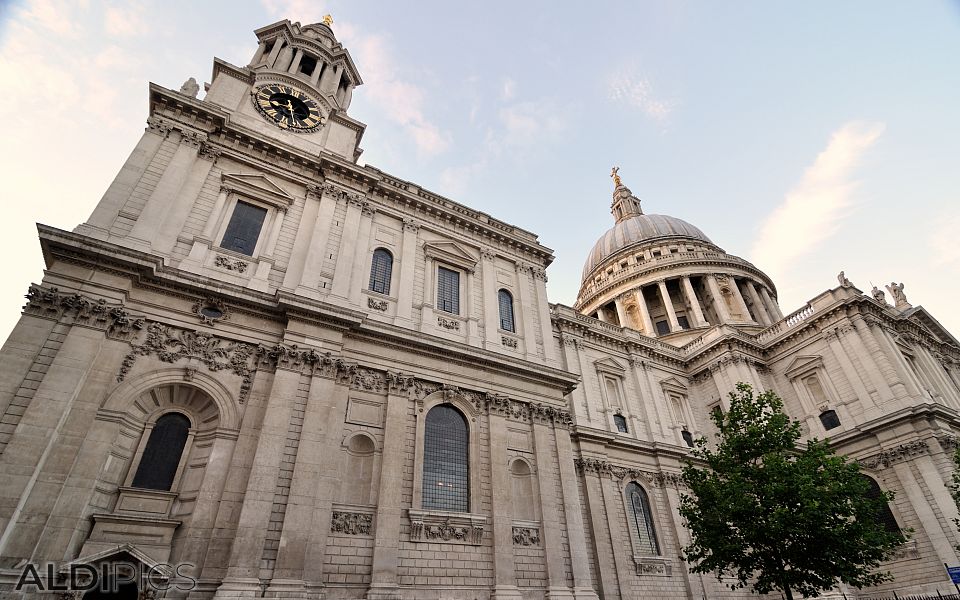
(635, 230)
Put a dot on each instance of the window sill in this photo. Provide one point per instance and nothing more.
(444, 527)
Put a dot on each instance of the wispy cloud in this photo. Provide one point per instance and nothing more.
(399, 99)
(509, 89)
(943, 239)
(629, 87)
(813, 210)
(124, 22)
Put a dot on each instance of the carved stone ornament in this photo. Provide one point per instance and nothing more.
(602, 467)
(648, 565)
(447, 528)
(351, 523)
(526, 536)
(231, 265)
(885, 458)
(448, 323)
(190, 88)
(509, 342)
(82, 310)
(211, 310)
(380, 305)
(170, 344)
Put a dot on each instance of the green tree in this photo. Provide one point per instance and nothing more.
(776, 514)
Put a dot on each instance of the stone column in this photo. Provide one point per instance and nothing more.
(887, 369)
(647, 322)
(928, 521)
(361, 250)
(276, 226)
(524, 301)
(939, 375)
(274, 53)
(180, 206)
(621, 311)
(259, 54)
(295, 62)
(687, 287)
(408, 257)
(606, 569)
(771, 304)
(622, 561)
(550, 519)
(758, 306)
(853, 376)
(672, 495)
(668, 304)
(469, 309)
(600, 316)
(283, 60)
(312, 240)
(347, 96)
(576, 535)
(315, 76)
(735, 290)
(719, 305)
(242, 579)
(543, 308)
(155, 210)
(491, 306)
(330, 78)
(504, 573)
(215, 215)
(348, 247)
(107, 210)
(384, 581)
(907, 376)
(871, 369)
(427, 322)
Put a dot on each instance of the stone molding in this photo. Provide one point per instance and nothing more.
(171, 344)
(446, 528)
(888, 457)
(526, 536)
(601, 467)
(351, 523)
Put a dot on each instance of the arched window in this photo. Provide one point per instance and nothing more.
(505, 300)
(884, 515)
(446, 460)
(161, 456)
(380, 271)
(641, 521)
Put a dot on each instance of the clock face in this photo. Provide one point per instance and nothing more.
(287, 107)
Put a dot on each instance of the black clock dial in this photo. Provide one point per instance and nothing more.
(289, 108)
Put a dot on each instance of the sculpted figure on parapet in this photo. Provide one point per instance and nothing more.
(896, 292)
(878, 295)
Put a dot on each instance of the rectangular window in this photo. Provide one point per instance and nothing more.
(621, 423)
(684, 323)
(244, 228)
(448, 290)
(662, 328)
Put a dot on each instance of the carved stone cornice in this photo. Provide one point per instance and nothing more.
(603, 468)
(49, 303)
(890, 456)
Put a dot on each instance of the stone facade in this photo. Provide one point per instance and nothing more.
(307, 390)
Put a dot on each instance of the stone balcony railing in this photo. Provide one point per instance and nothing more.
(592, 288)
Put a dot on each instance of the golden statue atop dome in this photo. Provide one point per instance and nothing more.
(327, 20)
(616, 177)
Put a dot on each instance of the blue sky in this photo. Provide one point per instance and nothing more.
(806, 137)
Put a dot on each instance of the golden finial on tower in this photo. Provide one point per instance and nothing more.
(616, 177)
(328, 20)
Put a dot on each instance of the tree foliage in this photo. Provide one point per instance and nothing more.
(777, 515)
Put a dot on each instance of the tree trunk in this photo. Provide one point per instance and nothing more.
(787, 593)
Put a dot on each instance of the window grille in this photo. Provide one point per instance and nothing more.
(506, 311)
(641, 521)
(244, 228)
(448, 290)
(621, 422)
(161, 456)
(446, 466)
(380, 271)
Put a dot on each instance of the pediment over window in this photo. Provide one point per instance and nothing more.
(672, 384)
(803, 364)
(608, 365)
(453, 253)
(122, 553)
(257, 186)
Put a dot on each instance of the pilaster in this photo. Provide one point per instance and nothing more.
(408, 257)
(348, 247)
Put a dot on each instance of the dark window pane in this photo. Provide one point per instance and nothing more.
(684, 323)
(161, 457)
(662, 328)
(829, 419)
(448, 290)
(641, 521)
(621, 423)
(446, 466)
(884, 516)
(506, 310)
(380, 271)
(244, 228)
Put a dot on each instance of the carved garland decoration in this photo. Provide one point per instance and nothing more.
(602, 467)
(526, 536)
(886, 458)
(351, 523)
(171, 344)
